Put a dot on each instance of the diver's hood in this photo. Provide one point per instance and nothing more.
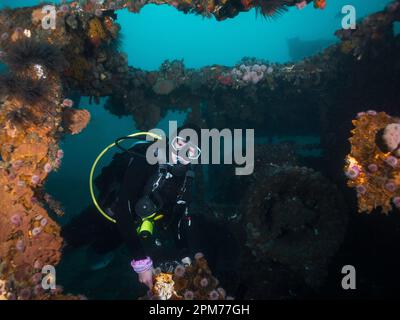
(176, 169)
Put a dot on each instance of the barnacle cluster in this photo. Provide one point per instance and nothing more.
(371, 167)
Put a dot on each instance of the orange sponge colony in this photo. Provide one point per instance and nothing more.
(373, 165)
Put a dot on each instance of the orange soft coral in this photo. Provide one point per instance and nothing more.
(320, 4)
(75, 120)
(96, 32)
(29, 237)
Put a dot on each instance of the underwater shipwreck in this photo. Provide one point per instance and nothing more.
(299, 219)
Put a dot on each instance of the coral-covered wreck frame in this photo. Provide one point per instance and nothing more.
(36, 110)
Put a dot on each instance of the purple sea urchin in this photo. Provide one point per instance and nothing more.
(179, 271)
(47, 168)
(188, 295)
(36, 231)
(213, 295)
(35, 179)
(204, 282)
(16, 219)
(198, 255)
(20, 245)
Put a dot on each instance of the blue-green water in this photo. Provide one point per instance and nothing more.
(161, 32)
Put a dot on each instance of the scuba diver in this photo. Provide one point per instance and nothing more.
(146, 202)
(159, 192)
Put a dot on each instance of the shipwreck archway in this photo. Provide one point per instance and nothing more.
(36, 109)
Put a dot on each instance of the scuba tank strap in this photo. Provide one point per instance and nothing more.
(162, 171)
(186, 185)
(158, 184)
(182, 199)
(187, 217)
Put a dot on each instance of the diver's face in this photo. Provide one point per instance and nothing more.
(178, 144)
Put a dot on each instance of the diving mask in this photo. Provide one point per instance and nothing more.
(191, 151)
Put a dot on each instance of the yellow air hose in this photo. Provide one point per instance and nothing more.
(151, 134)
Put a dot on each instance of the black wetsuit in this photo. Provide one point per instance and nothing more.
(139, 179)
(128, 177)
(121, 184)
